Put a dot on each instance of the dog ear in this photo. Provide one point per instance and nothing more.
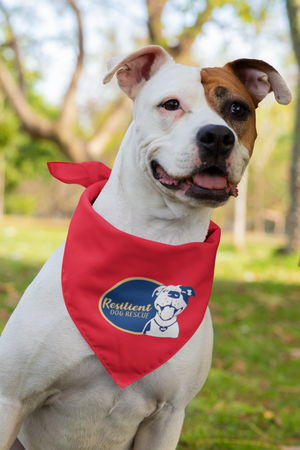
(188, 290)
(157, 291)
(259, 78)
(134, 69)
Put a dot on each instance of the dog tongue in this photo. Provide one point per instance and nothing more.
(167, 312)
(202, 179)
(208, 181)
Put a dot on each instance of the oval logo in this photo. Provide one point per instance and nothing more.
(129, 305)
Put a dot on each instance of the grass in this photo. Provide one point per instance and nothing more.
(252, 395)
(25, 245)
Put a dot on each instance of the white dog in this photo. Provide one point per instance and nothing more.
(186, 150)
(170, 302)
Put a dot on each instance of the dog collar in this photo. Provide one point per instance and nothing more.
(136, 302)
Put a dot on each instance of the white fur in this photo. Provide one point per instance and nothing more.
(51, 383)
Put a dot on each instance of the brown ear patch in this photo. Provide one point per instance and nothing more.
(223, 89)
(260, 78)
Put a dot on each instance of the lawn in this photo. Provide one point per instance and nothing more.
(252, 396)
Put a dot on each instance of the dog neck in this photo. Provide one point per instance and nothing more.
(131, 203)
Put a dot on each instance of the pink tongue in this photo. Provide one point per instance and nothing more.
(208, 181)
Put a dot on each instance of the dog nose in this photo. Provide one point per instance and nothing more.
(216, 139)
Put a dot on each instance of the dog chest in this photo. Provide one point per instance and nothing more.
(94, 409)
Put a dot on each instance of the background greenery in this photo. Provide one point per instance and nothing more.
(252, 395)
(197, 32)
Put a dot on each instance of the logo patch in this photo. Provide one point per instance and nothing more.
(129, 304)
(143, 306)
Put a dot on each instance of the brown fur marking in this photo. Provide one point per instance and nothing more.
(221, 86)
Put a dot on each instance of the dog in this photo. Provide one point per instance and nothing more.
(170, 302)
(191, 138)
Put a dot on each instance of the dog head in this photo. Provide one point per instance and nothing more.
(194, 130)
(172, 300)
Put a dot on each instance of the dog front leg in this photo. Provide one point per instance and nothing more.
(12, 414)
(161, 431)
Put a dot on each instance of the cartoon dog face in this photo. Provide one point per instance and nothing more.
(169, 303)
(172, 300)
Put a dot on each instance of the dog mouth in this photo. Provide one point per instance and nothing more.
(167, 312)
(209, 183)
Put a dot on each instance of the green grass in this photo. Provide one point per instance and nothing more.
(24, 247)
(252, 395)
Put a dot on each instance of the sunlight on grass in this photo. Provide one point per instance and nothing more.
(31, 240)
(259, 261)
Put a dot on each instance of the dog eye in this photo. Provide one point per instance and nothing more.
(238, 110)
(171, 105)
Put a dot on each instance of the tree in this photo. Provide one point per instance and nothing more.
(61, 130)
(64, 129)
(240, 214)
(293, 217)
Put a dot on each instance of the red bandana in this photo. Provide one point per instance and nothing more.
(136, 302)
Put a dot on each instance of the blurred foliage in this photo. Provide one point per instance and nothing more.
(26, 158)
(5, 133)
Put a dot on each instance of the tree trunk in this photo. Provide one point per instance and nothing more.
(259, 183)
(293, 217)
(240, 214)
